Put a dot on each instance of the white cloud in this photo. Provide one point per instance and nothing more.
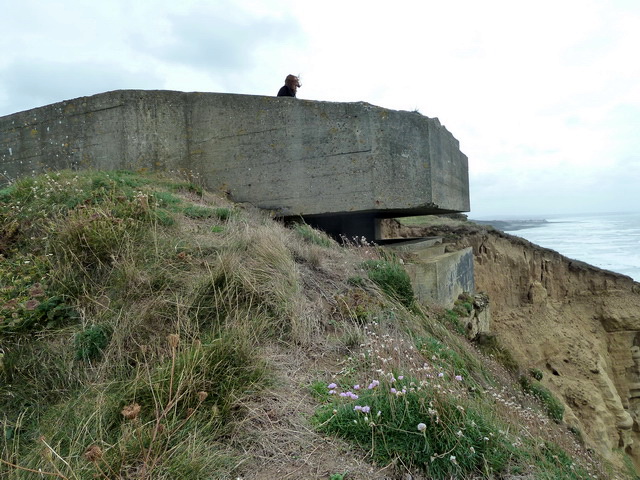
(544, 97)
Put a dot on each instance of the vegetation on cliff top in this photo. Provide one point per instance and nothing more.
(149, 329)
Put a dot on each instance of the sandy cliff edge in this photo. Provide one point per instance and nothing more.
(578, 324)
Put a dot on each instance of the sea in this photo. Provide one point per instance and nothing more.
(610, 241)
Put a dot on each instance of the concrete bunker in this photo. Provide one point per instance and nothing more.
(339, 166)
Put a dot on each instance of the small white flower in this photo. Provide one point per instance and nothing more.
(422, 427)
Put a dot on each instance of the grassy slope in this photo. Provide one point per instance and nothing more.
(151, 330)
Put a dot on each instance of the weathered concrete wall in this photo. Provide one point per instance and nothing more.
(442, 279)
(295, 156)
(437, 276)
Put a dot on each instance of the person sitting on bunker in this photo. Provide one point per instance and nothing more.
(291, 85)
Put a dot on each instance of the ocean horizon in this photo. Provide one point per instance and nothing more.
(610, 241)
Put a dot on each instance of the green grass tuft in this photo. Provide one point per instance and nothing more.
(91, 342)
(198, 212)
(392, 278)
(553, 406)
(313, 236)
(490, 346)
(224, 213)
(424, 428)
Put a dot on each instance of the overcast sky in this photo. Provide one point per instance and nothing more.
(543, 96)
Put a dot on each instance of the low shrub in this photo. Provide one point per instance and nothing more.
(392, 278)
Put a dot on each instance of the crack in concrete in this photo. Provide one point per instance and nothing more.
(337, 154)
(237, 135)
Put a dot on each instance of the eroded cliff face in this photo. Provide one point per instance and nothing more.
(578, 324)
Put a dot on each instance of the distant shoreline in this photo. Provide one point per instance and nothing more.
(511, 225)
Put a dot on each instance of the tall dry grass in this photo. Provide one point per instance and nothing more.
(163, 315)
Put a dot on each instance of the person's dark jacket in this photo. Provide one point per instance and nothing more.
(285, 91)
